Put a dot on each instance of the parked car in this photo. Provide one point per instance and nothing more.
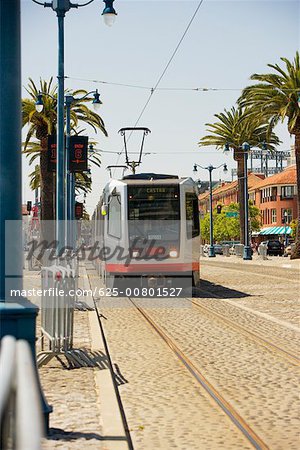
(218, 249)
(274, 247)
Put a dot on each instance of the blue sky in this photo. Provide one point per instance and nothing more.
(226, 43)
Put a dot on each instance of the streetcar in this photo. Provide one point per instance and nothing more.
(146, 232)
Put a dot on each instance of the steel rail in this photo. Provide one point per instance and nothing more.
(264, 342)
(227, 408)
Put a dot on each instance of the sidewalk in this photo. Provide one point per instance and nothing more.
(85, 411)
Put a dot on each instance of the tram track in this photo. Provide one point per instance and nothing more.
(271, 346)
(227, 408)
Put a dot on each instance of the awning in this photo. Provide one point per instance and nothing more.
(275, 230)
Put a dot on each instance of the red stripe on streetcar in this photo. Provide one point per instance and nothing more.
(149, 268)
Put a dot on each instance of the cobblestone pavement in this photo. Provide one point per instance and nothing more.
(164, 405)
(272, 290)
(76, 420)
(259, 383)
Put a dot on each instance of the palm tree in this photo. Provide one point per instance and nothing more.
(232, 129)
(83, 181)
(276, 98)
(43, 124)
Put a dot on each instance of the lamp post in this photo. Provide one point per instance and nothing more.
(265, 153)
(285, 215)
(61, 7)
(247, 248)
(210, 169)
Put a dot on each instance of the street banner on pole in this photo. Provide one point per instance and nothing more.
(52, 152)
(78, 154)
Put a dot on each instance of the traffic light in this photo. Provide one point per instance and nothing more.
(78, 210)
(29, 206)
(219, 209)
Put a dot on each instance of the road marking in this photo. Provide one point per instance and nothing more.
(264, 315)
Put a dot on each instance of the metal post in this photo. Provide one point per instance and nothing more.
(285, 233)
(10, 141)
(72, 206)
(18, 318)
(36, 195)
(247, 249)
(60, 168)
(211, 252)
(68, 206)
(267, 169)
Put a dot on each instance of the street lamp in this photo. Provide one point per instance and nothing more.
(247, 248)
(210, 168)
(61, 7)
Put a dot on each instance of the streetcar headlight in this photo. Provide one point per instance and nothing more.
(135, 254)
(173, 253)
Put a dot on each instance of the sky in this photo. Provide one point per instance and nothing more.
(226, 43)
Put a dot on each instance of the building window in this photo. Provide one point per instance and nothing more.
(274, 194)
(287, 215)
(287, 191)
(274, 215)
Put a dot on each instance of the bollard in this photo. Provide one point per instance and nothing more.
(239, 249)
(225, 250)
(263, 251)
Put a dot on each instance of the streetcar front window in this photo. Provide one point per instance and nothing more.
(154, 211)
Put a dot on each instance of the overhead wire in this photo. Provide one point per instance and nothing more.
(164, 71)
(148, 88)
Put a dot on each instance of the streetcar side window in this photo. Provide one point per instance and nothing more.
(114, 216)
(192, 215)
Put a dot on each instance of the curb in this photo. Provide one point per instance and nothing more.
(113, 430)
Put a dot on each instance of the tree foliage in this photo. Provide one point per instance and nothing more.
(228, 228)
(234, 127)
(275, 98)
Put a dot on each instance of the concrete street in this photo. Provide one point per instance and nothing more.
(164, 405)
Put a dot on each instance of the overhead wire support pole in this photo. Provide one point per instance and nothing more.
(210, 169)
(247, 249)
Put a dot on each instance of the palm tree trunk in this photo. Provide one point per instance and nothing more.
(238, 156)
(296, 252)
(47, 188)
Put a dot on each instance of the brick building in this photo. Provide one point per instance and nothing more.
(276, 196)
(226, 193)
